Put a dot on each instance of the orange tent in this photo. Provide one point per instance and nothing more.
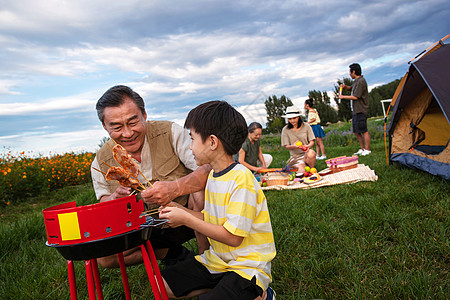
(419, 131)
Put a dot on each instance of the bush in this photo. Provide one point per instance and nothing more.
(341, 134)
(22, 177)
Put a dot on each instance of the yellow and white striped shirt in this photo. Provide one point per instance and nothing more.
(235, 200)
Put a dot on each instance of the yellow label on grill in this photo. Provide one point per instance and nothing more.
(68, 224)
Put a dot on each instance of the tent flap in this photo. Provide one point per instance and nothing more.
(422, 163)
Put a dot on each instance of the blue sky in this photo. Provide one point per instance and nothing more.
(58, 57)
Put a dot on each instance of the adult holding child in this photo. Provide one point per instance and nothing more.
(298, 137)
(250, 154)
(314, 121)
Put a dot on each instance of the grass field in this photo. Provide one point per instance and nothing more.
(387, 239)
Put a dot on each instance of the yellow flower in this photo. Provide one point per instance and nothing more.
(24, 176)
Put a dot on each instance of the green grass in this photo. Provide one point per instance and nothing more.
(387, 239)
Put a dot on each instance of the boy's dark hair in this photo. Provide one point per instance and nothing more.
(115, 96)
(220, 119)
(253, 126)
(355, 67)
(310, 102)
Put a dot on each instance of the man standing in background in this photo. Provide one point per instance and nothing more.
(360, 106)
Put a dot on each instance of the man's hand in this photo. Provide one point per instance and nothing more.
(120, 192)
(161, 193)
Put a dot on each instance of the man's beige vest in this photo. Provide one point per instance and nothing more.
(166, 166)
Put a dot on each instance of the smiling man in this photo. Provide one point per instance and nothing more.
(161, 150)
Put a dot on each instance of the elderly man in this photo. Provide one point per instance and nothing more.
(161, 150)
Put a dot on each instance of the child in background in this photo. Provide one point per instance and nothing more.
(235, 218)
(314, 121)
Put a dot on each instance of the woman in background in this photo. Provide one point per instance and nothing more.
(250, 152)
(298, 137)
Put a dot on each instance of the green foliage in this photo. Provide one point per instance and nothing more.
(322, 104)
(22, 177)
(275, 108)
(341, 134)
(276, 125)
(379, 93)
(386, 239)
(103, 141)
(344, 107)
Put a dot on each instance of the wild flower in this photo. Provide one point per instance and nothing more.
(48, 173)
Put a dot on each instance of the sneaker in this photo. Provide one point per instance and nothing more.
(323, 157)
(366, 152)
(317, 157)
(270, 294)
(360, 151)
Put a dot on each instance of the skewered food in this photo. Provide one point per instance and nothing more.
(123, 177)
(124, 159)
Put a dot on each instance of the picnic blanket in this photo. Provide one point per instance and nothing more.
(360, 173)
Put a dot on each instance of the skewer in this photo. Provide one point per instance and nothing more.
(150, 212)
(99, 171)
(145, 178)
(106, 164)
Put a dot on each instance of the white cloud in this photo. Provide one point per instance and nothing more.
(60, 56)
(72, 103)
(7, 87)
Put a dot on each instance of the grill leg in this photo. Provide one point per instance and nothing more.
(151, 276)
(98, 284)
(123, 271)
(90, 280)
(156, 269)
(72, 281)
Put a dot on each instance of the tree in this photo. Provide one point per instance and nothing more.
(321, 102)
(275, 108)
(344, 108)
(379, 93)
(276, 125)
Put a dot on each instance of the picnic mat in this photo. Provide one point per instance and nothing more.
(360, 173)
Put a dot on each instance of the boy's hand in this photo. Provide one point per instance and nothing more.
(175, 204)
(176, 215)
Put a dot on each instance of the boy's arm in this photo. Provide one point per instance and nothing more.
(182, 216)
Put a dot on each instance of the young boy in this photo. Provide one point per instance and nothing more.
(235, 218)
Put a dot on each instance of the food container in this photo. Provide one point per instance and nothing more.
(276, 178)
(342, 163)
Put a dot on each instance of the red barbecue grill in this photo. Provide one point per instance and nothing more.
(102, 229)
